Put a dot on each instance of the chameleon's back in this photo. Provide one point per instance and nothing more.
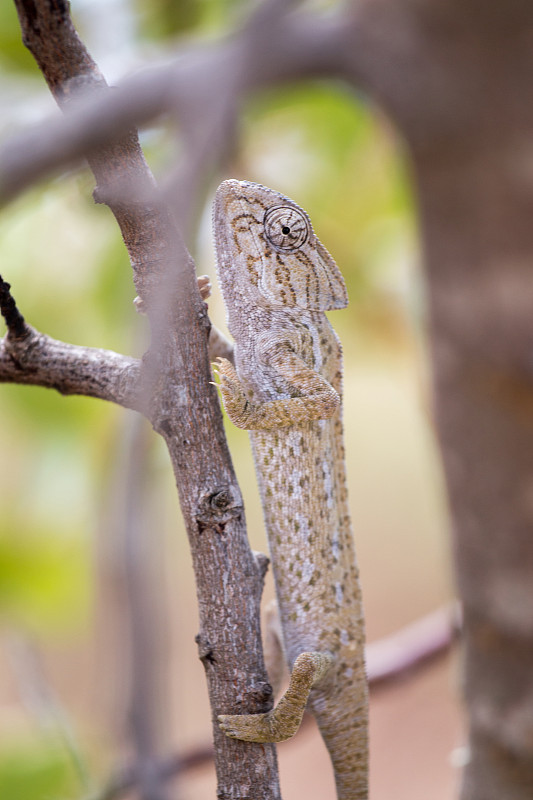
(277, 281)
(302, 480)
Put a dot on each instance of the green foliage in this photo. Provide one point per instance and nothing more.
(35, 769)
(65, 259)
(161, 19)
(66, 264)
(44, 577)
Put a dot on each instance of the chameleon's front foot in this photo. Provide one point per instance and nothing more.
(237, 406)
(284, 720)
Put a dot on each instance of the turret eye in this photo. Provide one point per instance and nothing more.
(286, 228)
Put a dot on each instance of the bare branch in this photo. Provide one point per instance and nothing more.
(204, 81)
(182, 407)
(16, 325)
(39, 360)
(127, 777)
(415, 645)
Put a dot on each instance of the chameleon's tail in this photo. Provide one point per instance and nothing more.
(344, 728)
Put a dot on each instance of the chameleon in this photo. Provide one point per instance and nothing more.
(277, 281)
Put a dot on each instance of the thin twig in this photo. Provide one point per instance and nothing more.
(16, 324)
(144, 611)
(412, 647)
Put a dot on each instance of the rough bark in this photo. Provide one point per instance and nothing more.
(182, 407)
(39, 360)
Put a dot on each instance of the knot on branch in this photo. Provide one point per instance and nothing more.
(255, 698)
(220, 504)
(218, 507)
(262, 561)
(221, 500)
(260, 697)
(205, 650)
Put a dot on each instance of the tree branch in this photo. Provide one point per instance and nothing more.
(411, 647)
(14, 320)
(182, 407)
(30, 357)
(39, 360)
(203, 82)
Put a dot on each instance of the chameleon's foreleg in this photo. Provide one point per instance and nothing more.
(284, 720)
(316, 399)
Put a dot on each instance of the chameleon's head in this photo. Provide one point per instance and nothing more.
(272, 241)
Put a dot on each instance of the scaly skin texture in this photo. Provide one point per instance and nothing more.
(286, 389)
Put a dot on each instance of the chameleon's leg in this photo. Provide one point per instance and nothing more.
(284, 720)
(317, 399)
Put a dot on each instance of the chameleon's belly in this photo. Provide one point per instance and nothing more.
(305, 506)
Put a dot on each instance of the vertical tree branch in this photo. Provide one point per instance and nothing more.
(183, 408)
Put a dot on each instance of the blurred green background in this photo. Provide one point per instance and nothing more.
(64, 642)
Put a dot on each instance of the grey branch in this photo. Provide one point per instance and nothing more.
(413, 646)
(285, 46)
(39, 360)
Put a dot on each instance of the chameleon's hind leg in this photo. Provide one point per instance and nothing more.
(284, 720)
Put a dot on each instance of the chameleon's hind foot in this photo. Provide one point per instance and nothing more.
(284, 720)
(249, 727)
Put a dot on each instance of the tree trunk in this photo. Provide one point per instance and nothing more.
(475, 187)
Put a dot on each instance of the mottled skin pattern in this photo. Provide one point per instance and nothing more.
(277, 280)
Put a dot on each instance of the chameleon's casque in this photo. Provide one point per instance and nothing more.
(286, 388)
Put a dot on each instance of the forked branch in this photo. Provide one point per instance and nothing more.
(178, 399)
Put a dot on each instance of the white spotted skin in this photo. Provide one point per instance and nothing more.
(289, 367)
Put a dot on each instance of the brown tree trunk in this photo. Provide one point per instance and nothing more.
(474, 175)
(479, 250)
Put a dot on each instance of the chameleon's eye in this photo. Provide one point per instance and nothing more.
(285, 227)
